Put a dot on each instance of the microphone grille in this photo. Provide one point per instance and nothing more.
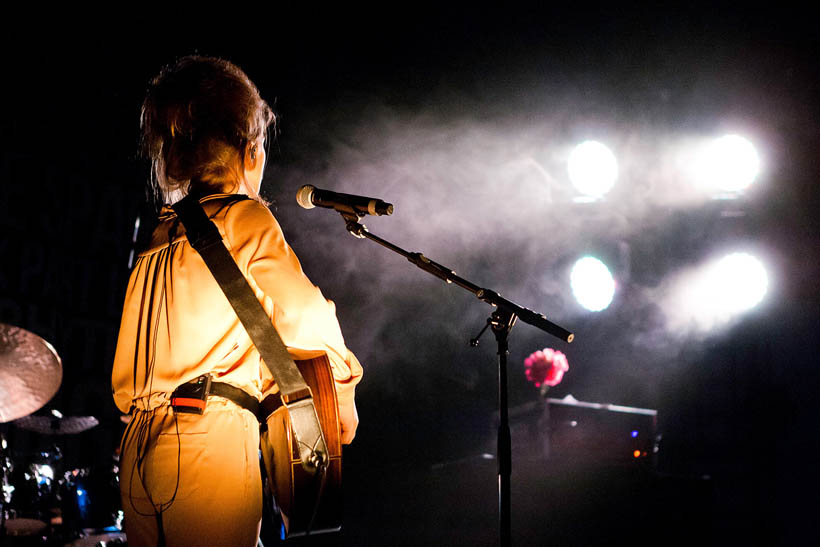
(304, 195)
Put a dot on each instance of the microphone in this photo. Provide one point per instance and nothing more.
(309, 197)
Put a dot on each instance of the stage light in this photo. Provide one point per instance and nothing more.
(712, 295)
(592, 283)
(728, 165)
(592, 169)
(736, 283)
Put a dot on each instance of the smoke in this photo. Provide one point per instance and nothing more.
(482, 188)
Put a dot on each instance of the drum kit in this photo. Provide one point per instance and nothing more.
(44, 501)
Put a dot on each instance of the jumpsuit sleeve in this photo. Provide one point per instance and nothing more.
(304, 318)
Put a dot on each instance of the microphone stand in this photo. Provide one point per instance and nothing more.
(501, 321)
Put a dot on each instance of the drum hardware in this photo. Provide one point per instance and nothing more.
(90, 500)
(81, 505)
(30, 375)
(25, 527)
(101, 540)
(53, 425)
(5, 470)
(40, 503)
(30, 372)
(31, 487)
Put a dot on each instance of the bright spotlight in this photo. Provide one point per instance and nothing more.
(713, 295)
(730, 164)
(736, 283)
(592, 284)
(592, 169)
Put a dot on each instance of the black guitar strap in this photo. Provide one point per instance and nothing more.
(204, 237)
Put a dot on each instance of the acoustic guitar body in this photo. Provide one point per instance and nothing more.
(309, 503)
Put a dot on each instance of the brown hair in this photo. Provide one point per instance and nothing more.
(197, 118)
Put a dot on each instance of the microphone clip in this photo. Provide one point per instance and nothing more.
(353, 225)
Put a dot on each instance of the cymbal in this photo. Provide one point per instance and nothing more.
(51, 425)
(30, 372)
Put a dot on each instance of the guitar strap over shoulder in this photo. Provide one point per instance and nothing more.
(204, 237)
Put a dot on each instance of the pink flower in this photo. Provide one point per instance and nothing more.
(546, 366)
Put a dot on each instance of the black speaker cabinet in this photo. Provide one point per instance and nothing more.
(577, 432)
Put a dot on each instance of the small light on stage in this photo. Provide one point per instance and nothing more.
(637, 454)
(592, 169)
(592, 283)
(728, 165)
(634, 434)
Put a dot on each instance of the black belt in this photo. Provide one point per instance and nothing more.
(236, 395)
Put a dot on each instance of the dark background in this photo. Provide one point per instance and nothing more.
(429, 108)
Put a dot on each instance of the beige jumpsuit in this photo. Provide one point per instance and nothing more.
(197, 477)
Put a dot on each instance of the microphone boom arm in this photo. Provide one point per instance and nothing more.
(447, 275)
